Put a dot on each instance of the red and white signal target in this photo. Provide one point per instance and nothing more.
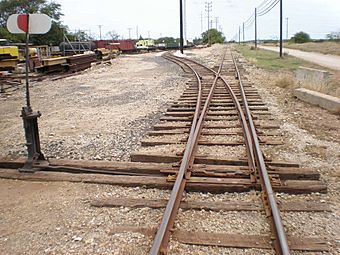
(37, 23)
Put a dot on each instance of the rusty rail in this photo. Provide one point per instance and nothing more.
(255, 157)
(269, 201)
(163, 234)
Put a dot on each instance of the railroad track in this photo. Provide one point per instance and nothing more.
(212, 85)
(207, 141)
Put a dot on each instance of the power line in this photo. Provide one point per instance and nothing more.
(265, 6)
(263, 3)
(250, 18)
(269, 8)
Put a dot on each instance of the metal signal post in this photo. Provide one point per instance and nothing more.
(30, 24)
(181, 25)
(281, 29)
(30, 120)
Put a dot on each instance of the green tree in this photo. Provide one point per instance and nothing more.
(50, 8)
(300, 37)
(197, 41)
(113, 35)
(167, 40)
(212, 36)
(333, 36)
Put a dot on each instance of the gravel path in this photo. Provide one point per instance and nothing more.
(330, 61)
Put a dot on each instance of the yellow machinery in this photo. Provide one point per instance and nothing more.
(9, 58)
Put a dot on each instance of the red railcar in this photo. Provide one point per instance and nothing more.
(125, 46)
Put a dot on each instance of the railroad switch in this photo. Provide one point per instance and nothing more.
(30, 120)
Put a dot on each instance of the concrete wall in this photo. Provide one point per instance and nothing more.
(324, 101)
(310, 74)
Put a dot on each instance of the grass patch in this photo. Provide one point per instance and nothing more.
(282, 70)
(270, 60)
(285, 82)
(321, 47)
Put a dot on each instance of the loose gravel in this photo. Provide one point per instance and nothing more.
(98, 115)
(56, 218)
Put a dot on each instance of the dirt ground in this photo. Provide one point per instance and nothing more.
(92, 116)
(97, 114)
(332, 48)
(329, 61)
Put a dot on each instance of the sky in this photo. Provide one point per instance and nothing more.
(159, 18)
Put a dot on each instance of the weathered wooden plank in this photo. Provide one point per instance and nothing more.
(108, 166)
(225, 103)
(247, 241)
(167, 126)
(200, 159)
(152, 142)
(155, 168)
(213, 185)
(207, 205)
(229, 109)
(229, 240)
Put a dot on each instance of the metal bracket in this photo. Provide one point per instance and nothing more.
(35, 155)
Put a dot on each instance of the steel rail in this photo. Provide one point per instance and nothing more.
(246, 134)
(163, 234)
(282, 247)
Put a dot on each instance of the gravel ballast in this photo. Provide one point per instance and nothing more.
(99, 110)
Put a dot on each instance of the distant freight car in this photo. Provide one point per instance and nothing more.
(76, 47)
(125, 46)
(146, 45)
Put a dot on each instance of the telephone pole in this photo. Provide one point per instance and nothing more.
(239, 34)
(208, 9)
(255, 29)
(100, 31)
(181, 25)
(216, 22)
(129, 32)
(287, 29)
(201, 22)
(243, 32)
(137, 34)
(281, 28)
(184, 22)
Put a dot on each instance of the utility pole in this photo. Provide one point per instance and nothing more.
(243, 32)
(208, 9)
(255, 29)
(100, 31)
(216, 22)
(129, 32)
(281, 29)
(239, 34)
(149, 35)
(181, 25)
(201, 22)
(137, 34)
(184, 22)
(287, 29)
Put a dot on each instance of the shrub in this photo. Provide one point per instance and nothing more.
(301, 37)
